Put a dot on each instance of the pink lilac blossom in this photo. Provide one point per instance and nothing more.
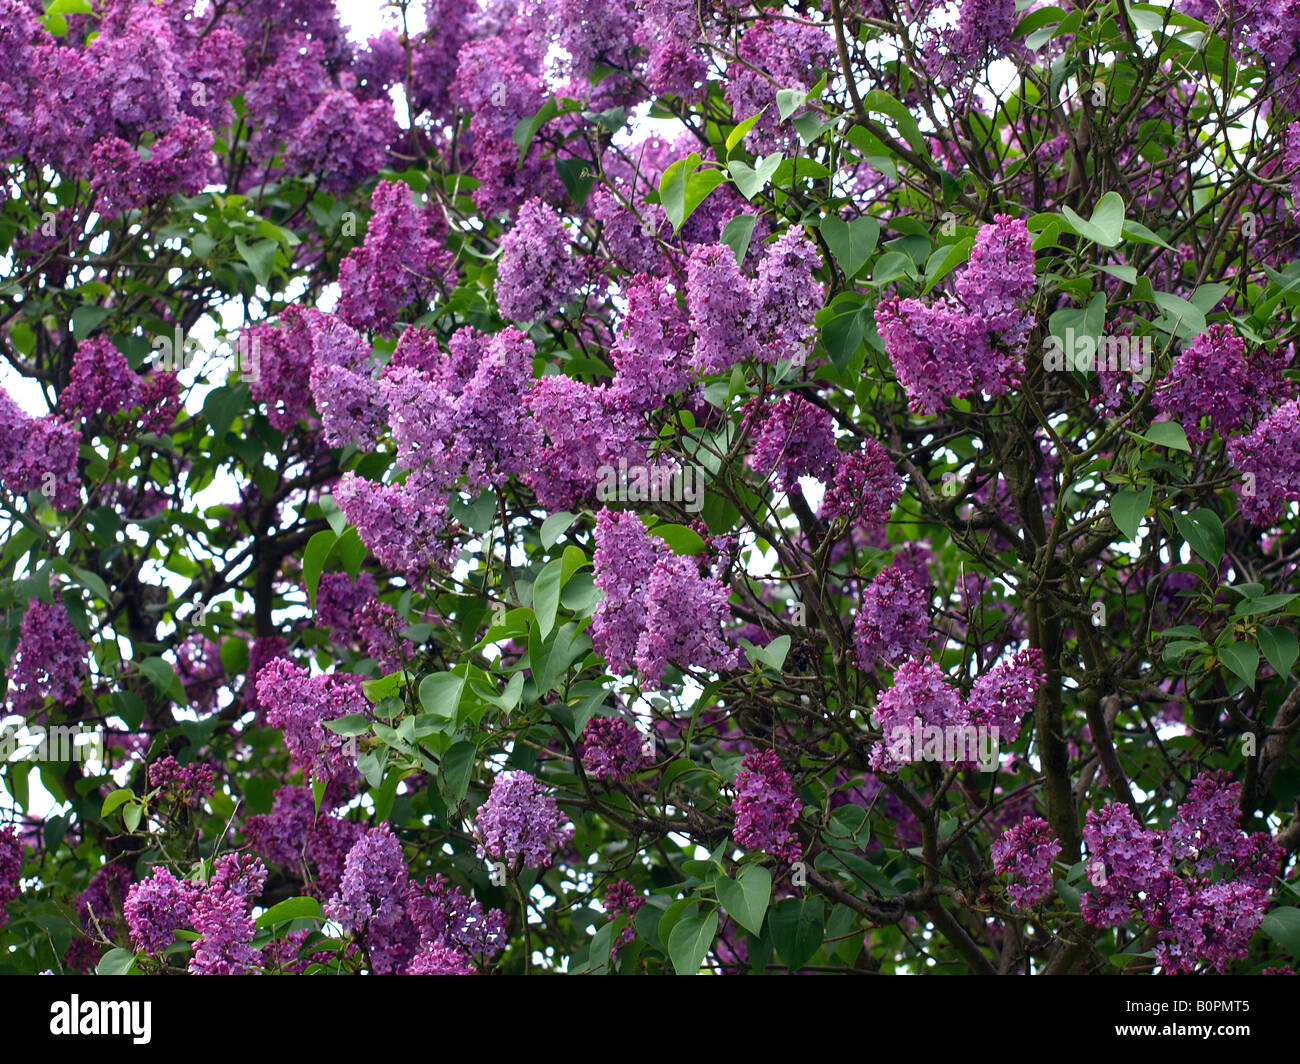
(721, 302)
(766, 807)
(342, 141)
(520, 821)
(1025, 853)
(156, 907)
(1268, 460)
(789, 297)
(403, 525)
(11, 863)
(369, 897)
(402, 260)
(774, 54)
(863, 487)
(611, 749)
(536, 274)
(448, 917)
(49, 660)
(221, 916)
(794, 438)
(894, 619)
(650, 355)
(39, 454)
(102, 381)
(669, 32)
(299, 703)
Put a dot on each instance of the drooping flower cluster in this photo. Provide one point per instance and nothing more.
(1025, 852)
(369, 896)
(621, 898)
(766, 807)
(339, 599)
(1268, 460)
(657, 608)
(960, 346)
(537, 274)
(611, 749)
(863, 487)
(1202, 884)
(794, 438)
(49, 660)
(38, 454)
(893, 622)
(11, 865)
(292, 833)
(298, 704)
(520, 821)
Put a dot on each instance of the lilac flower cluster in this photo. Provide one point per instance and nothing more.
(1025, 852)
(292, 833)
(794, 438)
(621, 898)
(863, 487)
(1212, 380)
(774, 54)
(199, 667)
(766, 807)
(1268, 460)
(651, 353)
(520, 821)
(958, 347)
(38, 454)
(338, 599)
(298, 703)
(369, 896)
(156, 907)
(657, 608)
(184, 784)
(611, 749)
(922, 695)
(222, 917)
(537, 274)
(49, 660)
(11, 865)
(1168, 878)
(894, 620)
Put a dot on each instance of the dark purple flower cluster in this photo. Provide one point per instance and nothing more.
(222, 917)
(184, 784)
(1025, 852)
(298, 704)
(611, 749)
(49, 660)
(766, 807)
(38, 454)
(11, 864)
(894, 619)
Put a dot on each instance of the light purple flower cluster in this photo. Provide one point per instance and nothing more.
(440, 960)
(49, 660)
(1212, 379)
(292, 833)
(894, 619)
(185, 784)
(38, 454)
(923, 697)
(343, 385)
(536, 274)
(611, 749)
(766, 806)
(222, 917)
(651, 353)
(400, 262)
(774, 54)
(958, 347)
(1168, 878)
(11, 866)
(794, 438)
(1268, 460)
(864, 487)
(298, 703)
(102, 382)
(520, 820)
(156, 907)
(983, 32)
(369, 896)
(735, 318)
(403, 525)
(1025, 852)
(657, 608)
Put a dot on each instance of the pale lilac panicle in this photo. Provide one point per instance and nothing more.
(156, 907)
(789, 296)
(624, 559)
(403, 525)
(1026, 852)
(999, 277)
(766, 807)
(440, 960)
(863, 487)
(48, 662)
(370, 893)
(651, 353)
(721, 301)
(298, 704)
(520, 821)
(342, 141)
(983, 32)
(669, 32)
(921, 693)
(1004, 695)
(774, 54)
(39, 454)
(1268, 460)
(894, 619)
(536, 274)
(611, 749)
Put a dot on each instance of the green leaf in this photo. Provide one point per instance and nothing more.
(772, 655)
(115, 962)
(1166, 434)
(1283, 927)
(881, 102)
(313, 561)
(1139, 233)
(738, 134)
(684, 187)
(440, 694)
(682, 539)
(738, 233)
(746, 897)
(351, 724)
(1187, 319)
(546, 595)
(1279, 646)
(131, 814)
(690, 941)
(1128, 508)
(117, 798)
(944, 260)
(851, 242)
(751, 180)
(1203, 531)
(290, 909)
(1106, 226)
(457, 768)
(1241, 658)
(554, 527)
(797, 930)
(526, 128)
(260, 258)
